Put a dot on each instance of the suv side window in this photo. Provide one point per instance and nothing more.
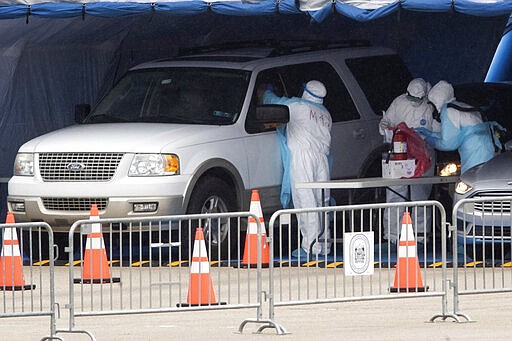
(338, 100)
(289, 80)
(266, 77)
(382, 79)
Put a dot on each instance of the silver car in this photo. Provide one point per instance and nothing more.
(482, 198)
(486, 216)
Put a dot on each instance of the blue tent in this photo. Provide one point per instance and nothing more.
(360, 10)
(59, 53)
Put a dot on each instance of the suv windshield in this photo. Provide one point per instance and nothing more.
(175, 95)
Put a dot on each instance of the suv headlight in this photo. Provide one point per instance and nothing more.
(24, 164)
(154, 165)
(462, 187)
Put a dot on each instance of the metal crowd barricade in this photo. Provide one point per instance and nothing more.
(320, 279)
(27, 272)
(159, 280)
(482, 246)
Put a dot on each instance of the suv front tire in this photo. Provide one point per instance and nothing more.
(213, 195)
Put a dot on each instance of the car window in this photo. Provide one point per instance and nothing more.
(289, 80)
(266, 77)
(338, 100)
(382, 79)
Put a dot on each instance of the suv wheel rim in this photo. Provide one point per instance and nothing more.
(216, 230)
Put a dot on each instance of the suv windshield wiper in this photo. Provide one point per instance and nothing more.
(104, 118)
(165, 119)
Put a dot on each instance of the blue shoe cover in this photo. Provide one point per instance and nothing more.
(300, 252)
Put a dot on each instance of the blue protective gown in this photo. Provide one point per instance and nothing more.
(466, 132)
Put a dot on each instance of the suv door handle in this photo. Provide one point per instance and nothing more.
(359, 134)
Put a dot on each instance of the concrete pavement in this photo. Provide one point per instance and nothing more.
(400, 319)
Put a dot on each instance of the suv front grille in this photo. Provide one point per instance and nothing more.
(74, 204)
(78, 166)
(491, 231)
(495, 207)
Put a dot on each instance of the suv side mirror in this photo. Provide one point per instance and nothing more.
(272, 114)
(81, 112)
(267, 117)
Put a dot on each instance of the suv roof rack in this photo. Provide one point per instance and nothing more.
(277, 47)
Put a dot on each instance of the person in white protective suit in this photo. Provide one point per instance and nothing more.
(462, 129)
(308, 135)
(413, 109)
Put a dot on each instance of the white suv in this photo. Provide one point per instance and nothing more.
(187, 135)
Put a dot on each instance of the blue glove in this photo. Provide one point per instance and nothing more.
(423, 131)
(269, 87)
(430, 140)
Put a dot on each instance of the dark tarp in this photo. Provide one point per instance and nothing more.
(57, 54)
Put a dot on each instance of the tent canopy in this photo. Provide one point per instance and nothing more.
(57, 54)
(360, 10)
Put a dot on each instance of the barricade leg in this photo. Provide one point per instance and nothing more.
(267, 323)
(77, 331)
(450, 283)
(71, 305)
(455, 281)
(280, 330)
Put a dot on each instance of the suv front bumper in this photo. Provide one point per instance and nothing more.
(118, 207)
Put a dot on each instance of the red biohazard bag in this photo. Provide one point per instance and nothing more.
(416, 149)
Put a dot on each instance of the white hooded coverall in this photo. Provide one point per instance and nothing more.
(413, 109)
(464, 131)
(308, 135)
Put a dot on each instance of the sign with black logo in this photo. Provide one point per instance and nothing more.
(358, 253)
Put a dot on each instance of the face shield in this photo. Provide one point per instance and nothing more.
(416, 91)
(415, 101)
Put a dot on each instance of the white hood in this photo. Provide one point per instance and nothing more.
(126, 137)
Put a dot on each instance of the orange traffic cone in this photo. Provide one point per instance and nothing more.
(252, 241)
(408, 273)
(11, 273)
(95, 268)
(200, 289)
